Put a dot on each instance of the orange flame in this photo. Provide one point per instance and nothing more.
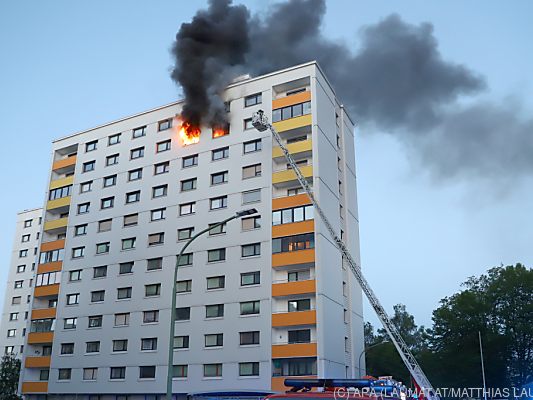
(189, 134)
(219, 131)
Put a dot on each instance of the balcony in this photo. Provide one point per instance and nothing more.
(294, 350)
(57, 183)
(63, 202)
(294, 148)
(34, 387)
(64, 163)
(44, 291)
(40, 337)
(56, 223)
(37, 362)
(293, 228)
(291, 100)
(290, 201)
(291, 288)
(50, 267)
(294, 318)
(43, 313)
(287, 176)
(293, 258)
(293, 123)
(53, 245)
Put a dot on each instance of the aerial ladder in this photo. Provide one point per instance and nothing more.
(260, 122)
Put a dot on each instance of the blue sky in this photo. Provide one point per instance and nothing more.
(67, 66)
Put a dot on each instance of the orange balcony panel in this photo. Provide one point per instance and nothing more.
(34, 387)
(63, 163)
(278, 382)
(50, 267)
(290, 288)
(293, 258)
(55, 245)
(290, 100)
(37, 362)
(293, 229)
(294, 350)
(40, 337)
(43, 313)
(290, 201)
(49, 290)
(294, 318)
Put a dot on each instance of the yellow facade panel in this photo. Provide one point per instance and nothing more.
(293, 123)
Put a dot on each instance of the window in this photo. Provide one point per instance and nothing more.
(250, 250)
(110, 180)
(83, 208)
(219, 177)
(154, 264)
(23, 253)
(70, 323)
(250, 278)
(137, 153)
(21, 268)
(113, 139)
(9, 350)
(212, 370)
(214, 311)
(184, 286)
(161, 168)
(217, 203)
(219, 154)
(156, 238)
(185, 260)
(64, 374)
(252, 100)
(217, 229)
(107, 202)
(125, 268)
(150, 316)
(163, 146)
(128, 244)
(84, 188)
(250, 307)
(293, 243)
(158, 214)
(111, 160)
(216, 282)
(252, 146)
(16, 300)
(95, 321)
(139, 132)
(251, 196)
(180, 371)
(181, 342)
(78, 252)
(117, 373)
(102, 248)
(97, 296)
(130, 219)
(122, 319)
(148, 344)
(147, 372)
(187, 208)
(152, 290)
(189, 161)
(42, 325)
(104, 225)
(219, 131)
(292, 111)
(44, 374)
(25, 238)
(185, 233)
(18, 284)
(124, 293)
(249, 369)
(295, 214)
(299, 305)
(248, 124)
(248, 338)
(120, 345)
(67, 348)
(164, 125)
(294, 367)
(251, 171)
(100, 272)
(90, 374)
(188, 184)
(74, 275)
(295, 276)
(251, 223)
(213, 340)
(62, 192)
(14, 316)
(48, 278)
(11, 333)
(92, 347)
(183, 313)
(27, 223)
(80, 230)
(300, 336)
(89, 166)
(159, 191)
(216, 255)
(133, 197)
(135, 174)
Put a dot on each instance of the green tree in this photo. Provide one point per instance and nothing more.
(9, 377)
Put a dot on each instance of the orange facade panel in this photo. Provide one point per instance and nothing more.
(293, 258)
(40, 337)
(63, 163)
(37, 362)
(34, 387)
(54, 245)
(49, 267)
(49, 290)
(294, 350)
(43, 313)
(290, 201)
(279, 386)
(290, 100)
(290, 288)
(294, 228)
(294, 318)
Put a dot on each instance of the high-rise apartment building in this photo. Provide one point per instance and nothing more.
(20, 279)
(262, 298)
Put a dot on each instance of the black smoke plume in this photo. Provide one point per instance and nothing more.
(396, 82)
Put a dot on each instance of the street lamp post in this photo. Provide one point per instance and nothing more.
(238, 214)
(363, 352)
